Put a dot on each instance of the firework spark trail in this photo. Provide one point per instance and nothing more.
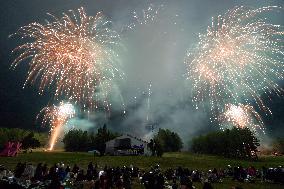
(147, 16)
(56, 117)
(149, 101)
(241, 116)
(238, 59)
(76, 53)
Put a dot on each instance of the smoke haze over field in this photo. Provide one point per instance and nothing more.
(154, 56)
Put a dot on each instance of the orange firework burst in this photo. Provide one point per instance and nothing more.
(56, 117)
(77, 54)
(238, 59)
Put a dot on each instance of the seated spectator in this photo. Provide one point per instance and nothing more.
(45, 171)
(39, 172)
(20, 168)
(80, 176)
(3, 172)
(75, 169)
(55, 184)
(207, 185)
(89, 183)
(29, 172)
(174, 185)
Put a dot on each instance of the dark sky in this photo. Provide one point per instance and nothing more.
(19, 107)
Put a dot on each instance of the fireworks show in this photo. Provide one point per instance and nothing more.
(102, 94)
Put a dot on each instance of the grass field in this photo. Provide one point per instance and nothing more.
(192, 161)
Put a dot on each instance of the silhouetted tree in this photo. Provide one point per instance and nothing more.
(167, 141)
(19, 135)
(278, 145)
(99, 140)
(158, 148)
(30, 142)
(76, 140)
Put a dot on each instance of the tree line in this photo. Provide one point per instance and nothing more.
(82, 141)
(278, 145)
(234, 143)
(165, 141)
(78, 140)
(29, 139)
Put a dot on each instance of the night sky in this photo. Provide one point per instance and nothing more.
(19, 107)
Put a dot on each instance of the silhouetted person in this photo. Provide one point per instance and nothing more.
(55, 184)
(75, 169)
(207, 185)
(39, 172)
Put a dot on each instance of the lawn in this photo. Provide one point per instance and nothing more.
(169, 160)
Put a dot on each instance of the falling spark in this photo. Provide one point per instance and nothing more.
(77, 54)
(238, 59)
(56, 117)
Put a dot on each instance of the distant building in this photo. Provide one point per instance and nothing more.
(127, 145)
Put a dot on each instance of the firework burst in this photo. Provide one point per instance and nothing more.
(56, 117)
(238, 59)
(76, 53)
(241, 116)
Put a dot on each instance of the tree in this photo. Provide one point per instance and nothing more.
(235, 143)
(3, 139)
(30, 142)
(158, 148)
(41, 137)
(151, 146)
(30, 138)
(76, 140)
(167, 141)
(103, 135)
(278, 145)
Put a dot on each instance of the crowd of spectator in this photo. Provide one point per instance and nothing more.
(60, 176)
(186, 177)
